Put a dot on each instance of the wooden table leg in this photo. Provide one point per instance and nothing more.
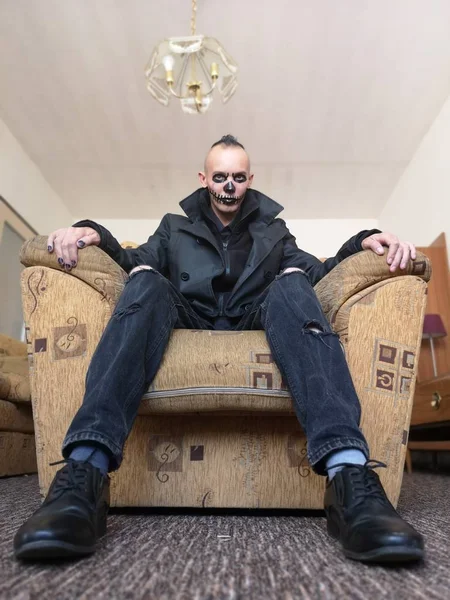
(408, 461)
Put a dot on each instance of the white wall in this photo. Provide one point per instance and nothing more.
(23, 186)
(321, 237)
(419, 207)
(324, 237)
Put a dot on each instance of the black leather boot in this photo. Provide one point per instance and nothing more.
(361, 517)
(71, 518)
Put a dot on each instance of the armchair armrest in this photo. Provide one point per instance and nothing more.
(361, 271)
(94, 267)
(11, 347)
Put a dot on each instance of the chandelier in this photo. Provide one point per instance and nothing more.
(190, 68)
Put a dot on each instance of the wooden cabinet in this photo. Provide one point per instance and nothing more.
(430, 419)
(432, 401)
(438, 302)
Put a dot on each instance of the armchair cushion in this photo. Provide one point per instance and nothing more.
(14, 377)
(11, 347)
(17, 443)
(16, 417)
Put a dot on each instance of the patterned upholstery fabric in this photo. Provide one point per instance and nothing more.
(17, 445)
(14, 379)
(217, 427)
(11, 347)
(16, 417)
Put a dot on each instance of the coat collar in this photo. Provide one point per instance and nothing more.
(254, 201)
(263, 238)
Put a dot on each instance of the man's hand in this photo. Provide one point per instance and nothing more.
(66, 243)
(399, 253)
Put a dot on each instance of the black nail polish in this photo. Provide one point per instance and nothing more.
(60, 260)
(81, 244)
(49, 248)
(68, 266)
(74, 262)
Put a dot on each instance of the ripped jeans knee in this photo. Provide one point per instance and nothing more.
(316, 329)
(140, 292)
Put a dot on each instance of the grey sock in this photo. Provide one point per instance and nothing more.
(93, 455)
(350, 456)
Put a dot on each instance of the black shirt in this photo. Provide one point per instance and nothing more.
(235, 243)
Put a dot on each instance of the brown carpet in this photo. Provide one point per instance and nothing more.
(180, 554)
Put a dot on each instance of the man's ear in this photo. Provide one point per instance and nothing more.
(202, 179)
(250, 180)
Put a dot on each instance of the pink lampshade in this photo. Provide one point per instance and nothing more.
(433, 327)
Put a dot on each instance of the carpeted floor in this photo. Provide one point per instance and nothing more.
(182, 556)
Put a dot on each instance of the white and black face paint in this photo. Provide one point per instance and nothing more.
(228, 195)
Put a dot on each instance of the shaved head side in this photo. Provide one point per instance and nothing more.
(210, 159)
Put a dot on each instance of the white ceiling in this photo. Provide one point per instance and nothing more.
(333, 100)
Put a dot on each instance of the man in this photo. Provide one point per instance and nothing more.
(229, 264)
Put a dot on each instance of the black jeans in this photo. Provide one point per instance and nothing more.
(305, 349)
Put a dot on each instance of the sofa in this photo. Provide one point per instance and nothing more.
(17, 445)
(217, 426)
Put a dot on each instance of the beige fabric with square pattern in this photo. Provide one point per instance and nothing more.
(217, 427)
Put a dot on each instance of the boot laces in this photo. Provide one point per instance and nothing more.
(365, 483)
(71, 477)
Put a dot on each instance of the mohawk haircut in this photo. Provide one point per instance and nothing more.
(228, 140)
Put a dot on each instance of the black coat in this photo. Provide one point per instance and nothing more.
(184, 250)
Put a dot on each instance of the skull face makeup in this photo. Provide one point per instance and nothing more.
(228, 195)
(227, 177)
(229, 188)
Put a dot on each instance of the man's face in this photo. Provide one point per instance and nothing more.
(227, 177)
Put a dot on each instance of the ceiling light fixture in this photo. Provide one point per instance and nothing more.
(190, 68)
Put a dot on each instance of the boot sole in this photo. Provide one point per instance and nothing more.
(388, 554)
(385, 554)
(45, 549)
(54, 549)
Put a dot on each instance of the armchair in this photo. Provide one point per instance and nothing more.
(217, 426)
(17, 447)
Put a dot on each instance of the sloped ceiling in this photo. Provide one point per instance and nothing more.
(334, 98)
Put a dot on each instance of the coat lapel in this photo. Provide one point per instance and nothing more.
(263, 242)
